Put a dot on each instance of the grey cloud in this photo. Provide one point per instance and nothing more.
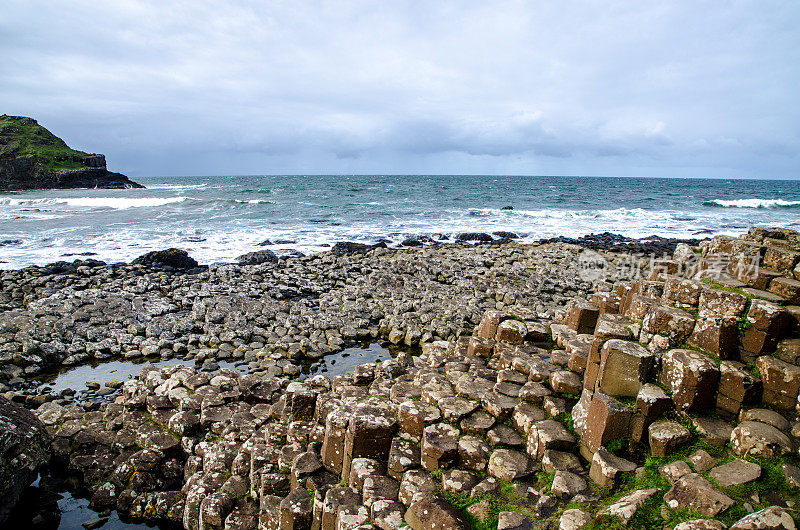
(446, 87)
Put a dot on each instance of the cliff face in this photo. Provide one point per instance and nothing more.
(31, 157)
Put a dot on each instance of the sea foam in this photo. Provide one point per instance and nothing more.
(117, 203)
(753, 203)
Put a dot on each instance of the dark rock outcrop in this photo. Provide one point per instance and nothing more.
(349, 247)
(31, 157)
(172, 257)
(24, 446)
(258, 257)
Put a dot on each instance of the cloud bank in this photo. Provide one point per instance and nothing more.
(250, 87)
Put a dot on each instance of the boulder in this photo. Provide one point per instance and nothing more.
(780, 259)
(626, 507)
(718, 336)
(434, 511)
(737, 387)
(651, 403)
(694, 492)
(669, 322)
(753, 438)
(788, 288)
(624, 367)
(513, 521)
(582, 317)
(667, 436)
(607, 420)
(682, 292)
(781, 382)
(258, 257)
(24, 446)
(172, 257)
(511, 331)
(692, 377)
(567, 484)
(574, 519)
(772, 518)
(606, 468)
(509, 465)
(715, 303)
(548, 434)
(735, 473)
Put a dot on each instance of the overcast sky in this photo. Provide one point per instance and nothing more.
(694, 88)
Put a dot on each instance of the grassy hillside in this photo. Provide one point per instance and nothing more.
(22, 137)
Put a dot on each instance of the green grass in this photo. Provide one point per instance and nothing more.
(24, 138)
(496, 504)
(721, 287)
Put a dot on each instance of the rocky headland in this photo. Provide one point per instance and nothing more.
(31, 157)
(526, 396)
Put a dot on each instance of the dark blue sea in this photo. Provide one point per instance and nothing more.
(218, 218)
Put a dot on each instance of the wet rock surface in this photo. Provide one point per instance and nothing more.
(24, 448)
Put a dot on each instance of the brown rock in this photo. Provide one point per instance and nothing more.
(692, 377)
(735, 473)
(509, 465)
(682, 292)
(772, 518)
(566, 382)
(548, 434)
(718, 336)
(473, 453)
(435, 512)
(566, 485)
(488, 326)
(781, 382)
(607, 468)
(715, 303)
(607, 420)
(651, 403)
(671, 323)
(788, 288)
(768, 317)
(667, 436)
(788, 350)
(511, 331)
(780, 259)
(715, 431)
(296, 510)
(582, 317)
(624, 368)
(696, 493)
(480, 346)
(439, 446)
(753, 438)
(737, 388)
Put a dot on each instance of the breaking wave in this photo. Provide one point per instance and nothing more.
(753, 203)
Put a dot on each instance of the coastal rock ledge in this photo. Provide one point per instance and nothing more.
(31, 157)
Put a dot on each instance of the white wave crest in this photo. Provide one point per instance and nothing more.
(117, 203)
(753, 203)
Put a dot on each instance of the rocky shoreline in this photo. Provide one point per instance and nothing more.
(526, 396)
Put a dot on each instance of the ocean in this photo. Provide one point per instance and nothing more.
(219, 218)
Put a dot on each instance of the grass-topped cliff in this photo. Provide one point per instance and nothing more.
(22, 137)
(32, 157)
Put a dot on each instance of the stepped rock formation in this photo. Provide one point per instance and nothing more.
(31, 157)
(634, 406)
